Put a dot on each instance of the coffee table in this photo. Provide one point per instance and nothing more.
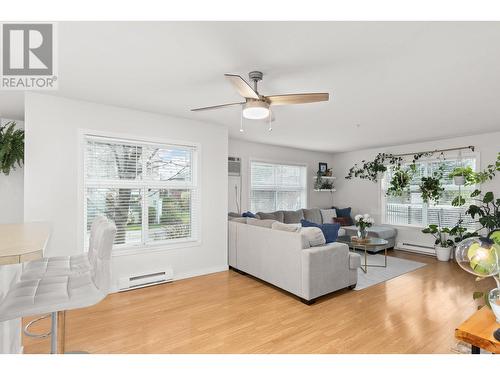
(366, 246)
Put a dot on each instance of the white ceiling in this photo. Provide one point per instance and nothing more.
(390, 82)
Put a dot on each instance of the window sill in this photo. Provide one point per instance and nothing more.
(154, 248)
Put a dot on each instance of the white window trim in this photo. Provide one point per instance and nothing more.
(383, 198)
(270, 161)
(140, 248)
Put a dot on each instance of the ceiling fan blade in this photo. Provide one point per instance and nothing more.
(243, 88)
(297, 98)
(216, 106)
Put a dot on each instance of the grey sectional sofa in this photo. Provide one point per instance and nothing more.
(314, 214)
(286, 260)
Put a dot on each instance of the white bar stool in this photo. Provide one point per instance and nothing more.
(53, 294)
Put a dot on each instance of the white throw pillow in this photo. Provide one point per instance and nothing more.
(328, 215)
(286, 227)
(313, 235)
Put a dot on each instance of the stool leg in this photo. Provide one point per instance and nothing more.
(53, 335)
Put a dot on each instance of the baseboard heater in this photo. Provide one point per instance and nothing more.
(141, 281)
(417, 248)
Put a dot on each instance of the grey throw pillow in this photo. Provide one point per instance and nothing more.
(313, 215)
(292, 217)
(328, 215)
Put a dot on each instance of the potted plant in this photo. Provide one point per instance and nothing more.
(462, 176)
(400, 181)
(363, 222)
(431, 187)
(443, 245)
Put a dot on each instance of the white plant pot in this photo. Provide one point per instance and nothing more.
(459, 180)
(443, 253)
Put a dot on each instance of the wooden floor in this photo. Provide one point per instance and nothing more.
(229, 313)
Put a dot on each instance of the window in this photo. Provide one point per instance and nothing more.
(411, 210)
(277, 187)
(149, 190)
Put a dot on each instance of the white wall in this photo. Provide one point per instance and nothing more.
(52, 191)
(364, 196)
(264, 152)
(11, 191)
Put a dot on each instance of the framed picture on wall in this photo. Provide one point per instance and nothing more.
(322, 168)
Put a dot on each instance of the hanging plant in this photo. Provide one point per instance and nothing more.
(11, 147)
(431, 187)
(400, 181)
(372, 170)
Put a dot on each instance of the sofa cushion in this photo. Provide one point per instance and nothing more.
(242, 220)
(330, 231)
(313, 235)
(277, 215)
(328, 215)
(344, 212)
(266, 223)
(292, 217)
(286, 227)
(313, 215)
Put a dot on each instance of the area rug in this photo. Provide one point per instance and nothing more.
(376, 275)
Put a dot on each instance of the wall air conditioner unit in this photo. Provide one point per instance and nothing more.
(416, 248)
(234, 166)
(143, 280)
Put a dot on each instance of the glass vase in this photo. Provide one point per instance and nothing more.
(362, 233)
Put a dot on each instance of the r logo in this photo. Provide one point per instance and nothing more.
(27, 49)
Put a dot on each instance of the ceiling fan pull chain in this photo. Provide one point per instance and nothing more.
(241, 121)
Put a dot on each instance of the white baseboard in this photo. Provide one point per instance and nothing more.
(193, 273)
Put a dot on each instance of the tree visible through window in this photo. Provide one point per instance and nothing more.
(148, 190)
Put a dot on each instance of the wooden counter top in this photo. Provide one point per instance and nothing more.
(22, 242)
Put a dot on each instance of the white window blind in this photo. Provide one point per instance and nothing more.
(277, 187)
(149, 190)
(410, 208)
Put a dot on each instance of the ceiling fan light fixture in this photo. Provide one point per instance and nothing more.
(256, 110)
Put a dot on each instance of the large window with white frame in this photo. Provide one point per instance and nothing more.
(149, 190)
(277, 186)
(411, 210)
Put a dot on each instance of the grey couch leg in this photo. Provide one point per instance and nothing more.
(307, 302)
(351, 287)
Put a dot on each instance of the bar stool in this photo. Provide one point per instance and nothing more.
(63, 265)
(56, 294)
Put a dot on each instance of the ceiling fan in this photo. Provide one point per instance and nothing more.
(257, 106)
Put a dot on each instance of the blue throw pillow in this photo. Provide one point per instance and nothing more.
(344, 212)
(330, 231)
(248, 214)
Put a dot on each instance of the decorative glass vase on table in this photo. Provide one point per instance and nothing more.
(480, 257)
(363, 222)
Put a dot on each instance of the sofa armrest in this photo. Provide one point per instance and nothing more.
(324, 269)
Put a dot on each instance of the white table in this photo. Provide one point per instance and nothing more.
(18, 243)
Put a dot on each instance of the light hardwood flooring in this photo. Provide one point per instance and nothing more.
(227, 312)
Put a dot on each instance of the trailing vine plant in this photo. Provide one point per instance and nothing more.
(11, 147)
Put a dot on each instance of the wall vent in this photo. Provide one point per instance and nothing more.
(234, 166)
(141, 281)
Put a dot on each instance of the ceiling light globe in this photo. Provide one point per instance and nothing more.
(256, 110)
